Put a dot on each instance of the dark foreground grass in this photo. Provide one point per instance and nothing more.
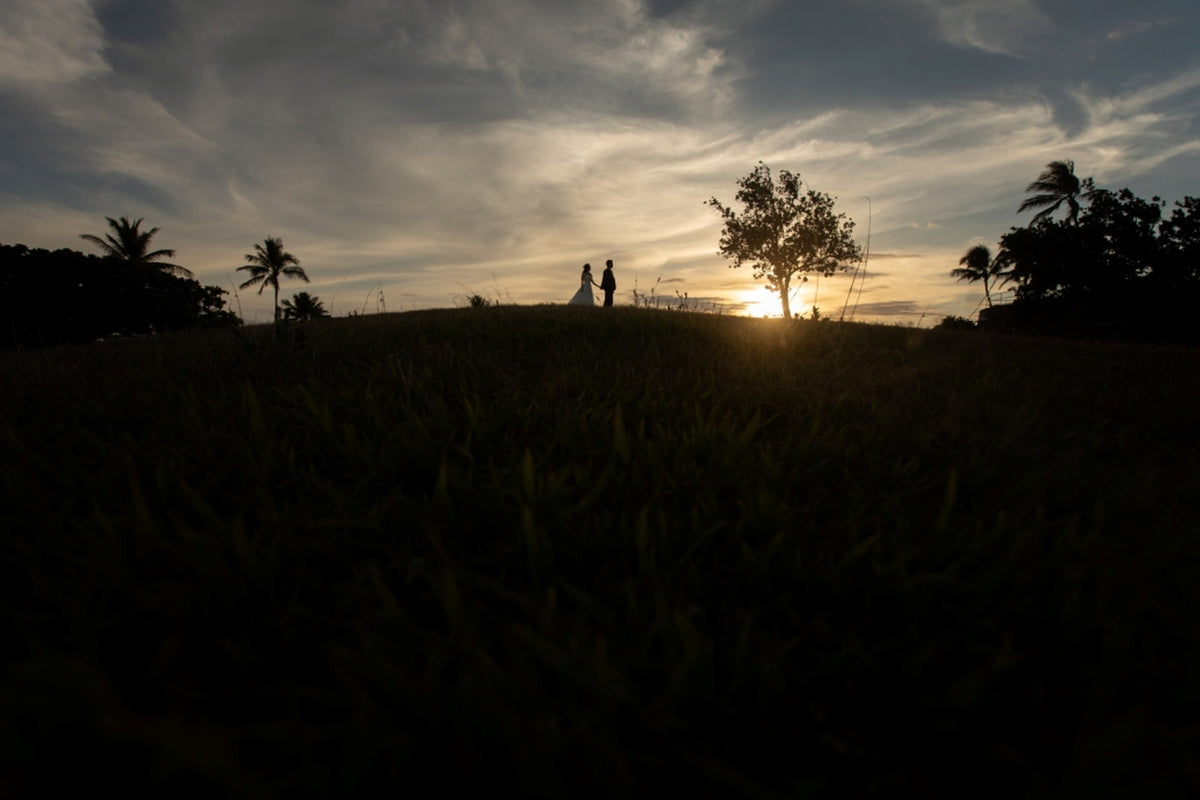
(585, 553)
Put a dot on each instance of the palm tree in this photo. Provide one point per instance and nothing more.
(303, 306)
(132, 245)
(1056, 185)
(978, 265)
(267, 263)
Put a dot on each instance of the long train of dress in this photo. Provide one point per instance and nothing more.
(584, 296)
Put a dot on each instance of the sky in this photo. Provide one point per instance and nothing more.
(412, 153)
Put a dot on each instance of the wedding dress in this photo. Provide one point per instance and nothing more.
(584, 296)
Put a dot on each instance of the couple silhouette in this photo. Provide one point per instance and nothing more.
(607, 284)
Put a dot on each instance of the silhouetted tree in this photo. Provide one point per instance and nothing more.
(1115, 268)
(978, 265)
(784, 231)
(1121, 271)
(1056, 185)
(132, 246)
(1179, 237)
(303, 306)
(268, 261)
(66, 296)
(1112, 244)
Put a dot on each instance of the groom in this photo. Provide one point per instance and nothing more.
(608, 283)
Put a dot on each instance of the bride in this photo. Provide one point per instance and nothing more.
(584, 296)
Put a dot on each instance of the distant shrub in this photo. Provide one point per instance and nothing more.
(304, 306)
(953, 323)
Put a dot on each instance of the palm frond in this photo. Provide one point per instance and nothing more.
(175, 269)
(1057, 184)
(129, 243)
(257, 274)
(1057, 176)
(104, 246)
(1050, 201)
(978, 257)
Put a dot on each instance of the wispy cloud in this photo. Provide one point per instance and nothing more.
(1135, 28)
(1005, 27)
(889, 308)
(44, 42)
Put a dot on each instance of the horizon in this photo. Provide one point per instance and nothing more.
(426, 153)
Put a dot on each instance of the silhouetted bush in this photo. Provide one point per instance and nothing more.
(1134, 314)
(955, 324)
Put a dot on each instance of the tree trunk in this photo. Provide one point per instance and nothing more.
(277, 301)
(986, 293)
(784, 288)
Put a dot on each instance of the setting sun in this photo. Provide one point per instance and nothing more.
(762, 302)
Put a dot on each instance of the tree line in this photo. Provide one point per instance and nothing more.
(1112, 266)
(65, 296)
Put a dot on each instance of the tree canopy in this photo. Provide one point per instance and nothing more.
(64, 296)
(129, 244)
(1115, 267)
(784, 230)
(268, 261)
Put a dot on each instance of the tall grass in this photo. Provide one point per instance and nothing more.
(601, 552)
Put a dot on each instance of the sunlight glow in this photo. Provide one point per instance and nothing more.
(760, 302)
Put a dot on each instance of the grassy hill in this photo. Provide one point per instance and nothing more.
(600, 552)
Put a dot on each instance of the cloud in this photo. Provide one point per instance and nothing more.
(606, 55)
(420, 60)
(1142, 129)
(887, 308)
(886, 256)
(46, 42)
(1135, 28)
(1004, 27)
